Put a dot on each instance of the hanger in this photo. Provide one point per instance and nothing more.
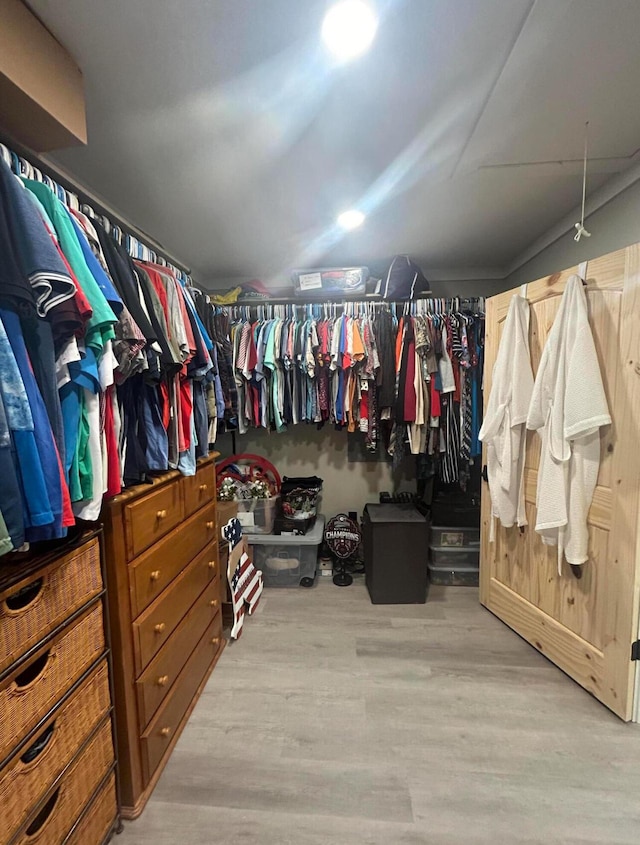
(6, 155)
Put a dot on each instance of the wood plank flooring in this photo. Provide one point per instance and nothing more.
(336, 721)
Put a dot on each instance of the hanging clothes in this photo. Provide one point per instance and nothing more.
(504, 426)
(413, 381)
(108, 370)
(568, 408)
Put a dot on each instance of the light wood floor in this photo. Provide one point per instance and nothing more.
(336, 721)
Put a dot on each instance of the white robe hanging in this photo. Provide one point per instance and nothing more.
(503, 429)
(568, 407)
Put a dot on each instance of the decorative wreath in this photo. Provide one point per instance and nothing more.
(249, 470)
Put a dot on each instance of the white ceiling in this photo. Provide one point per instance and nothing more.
(222, 128)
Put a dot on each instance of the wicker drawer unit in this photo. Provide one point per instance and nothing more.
(96, 823)
(56, 815)
(31, 610)
(56, 740)
(32, 771)
(31, 690)
(164, 579)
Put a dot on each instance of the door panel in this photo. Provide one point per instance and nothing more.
(583, 624)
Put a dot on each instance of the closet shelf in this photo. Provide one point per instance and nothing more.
(303, 300)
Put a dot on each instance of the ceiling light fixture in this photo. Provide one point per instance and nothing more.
(349, 28)
(351, 219)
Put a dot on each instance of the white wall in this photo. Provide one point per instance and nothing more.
(614, 226)
(219, 284)
(468, 288)
(304, 451)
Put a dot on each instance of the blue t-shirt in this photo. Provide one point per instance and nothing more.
(103, 281)
(39, 467)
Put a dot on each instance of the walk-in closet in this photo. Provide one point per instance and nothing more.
(319, 412)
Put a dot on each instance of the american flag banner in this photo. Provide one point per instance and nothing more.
(245, 580)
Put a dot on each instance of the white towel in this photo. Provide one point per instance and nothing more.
(503, 429)
(568, 407)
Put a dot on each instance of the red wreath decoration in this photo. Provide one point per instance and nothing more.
(247, 468)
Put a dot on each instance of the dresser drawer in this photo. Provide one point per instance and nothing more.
(157, 680)
(156, 568)
(223, 565)
(52, 822)
(199, 489)
(153, 516)
(32, 689)
(28, 776)
(158, 736)
(153, 628)
(36, 606)
(99, 818)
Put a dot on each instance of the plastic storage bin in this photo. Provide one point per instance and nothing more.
(330, 281)
(257, 515)
(455, 557)
(454, 537)
(463, 576)
(455, 566)
(287, 560)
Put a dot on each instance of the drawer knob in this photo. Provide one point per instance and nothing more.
(213, 603)
(159, 628)
(161, 514)
(212, 564)
(163, 680)
(155, 575)
(203, 487)
(165, 731)
(215, 641)
(210, 525)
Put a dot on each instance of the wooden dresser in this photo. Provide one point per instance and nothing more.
(161, 549)
(57, 764)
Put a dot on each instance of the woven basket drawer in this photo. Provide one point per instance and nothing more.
(31, 612)
(27, 777)
(95, 826)
(27, 695)
(51, 824)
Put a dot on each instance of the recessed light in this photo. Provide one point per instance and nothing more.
(349, 28)
(351, 219)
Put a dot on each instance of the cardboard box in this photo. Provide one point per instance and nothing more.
(224, 512)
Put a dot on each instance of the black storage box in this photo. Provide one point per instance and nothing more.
(396, 543)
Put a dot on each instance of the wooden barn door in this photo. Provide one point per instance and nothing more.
(586, 624)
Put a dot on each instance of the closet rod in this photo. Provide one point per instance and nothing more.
(88, 198)
(306, 301)
(448, 301)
